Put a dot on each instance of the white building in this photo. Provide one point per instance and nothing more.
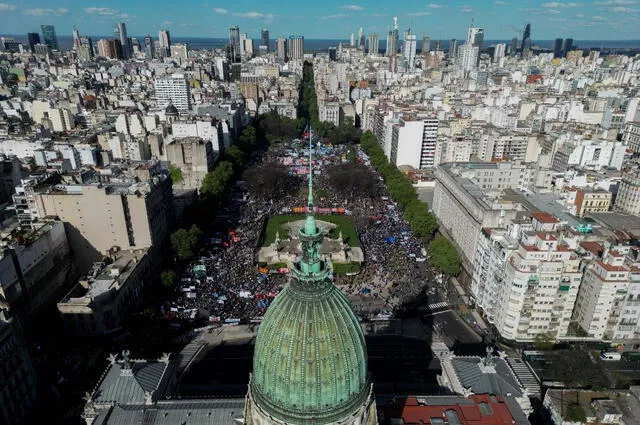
(413, 142)
(597, 154)
(206, 130)
(468, 57)
(173, 89)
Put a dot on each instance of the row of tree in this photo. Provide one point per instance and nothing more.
(424, 225)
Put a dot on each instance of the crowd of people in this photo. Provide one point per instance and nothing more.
(226, 285)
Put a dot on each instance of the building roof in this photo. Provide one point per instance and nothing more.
(481, 409)
(498, 380)
(544, 217)
(171, 412)
(126, 387)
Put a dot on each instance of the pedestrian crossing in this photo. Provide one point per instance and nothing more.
(525, 375)
(438, 306)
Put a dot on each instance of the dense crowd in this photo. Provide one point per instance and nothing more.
(226, 285)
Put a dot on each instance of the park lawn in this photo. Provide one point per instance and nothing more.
(343, 224)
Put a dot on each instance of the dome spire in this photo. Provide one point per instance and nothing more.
(310, 197)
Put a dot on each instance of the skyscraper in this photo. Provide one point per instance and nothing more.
(475, 36)
(499, 52)
(453, 47)
(352, 40)
(164, 44)
(109, 48)
(361, 39)
(410, 49)
(120, 32)
(567, 46)
(296, 47)
(513, 46)
(281, 48)
(392, 38)
(321, 376)
(49, 36)
(557, 48)
(468, 57)
(526, 34)
(374, 44)
(149, 48)
(264, 38)
(437, 45)
(234, 42)
(76, 37)
(426, 45)
(33, 38)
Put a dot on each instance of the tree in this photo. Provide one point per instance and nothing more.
(234, 155)
(269, 181)
(185, 242)
(248, 139)
(176, 174)
(350, 180)
(444, 256)
(217, 181)
(168, 278)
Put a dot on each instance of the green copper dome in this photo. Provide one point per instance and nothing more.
(310, 359)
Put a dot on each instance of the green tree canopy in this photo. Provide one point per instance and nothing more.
(185, 242)
(444, 256)
(168, 278)
(217, 181)
(175, 173)
(234, 155)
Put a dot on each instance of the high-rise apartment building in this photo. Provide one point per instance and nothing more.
(499, 52)
(526, 35)
(374, 44)
(164, 44)
(453, 48)
(120, 32)
(296, 47)
(361, 39)
(426, 45)
(33, 38)
(413, 141)
(149, 48)
(392, 39)
(173, 89)
(475, 36)
(49, 36)
(410, 42)
(264, 39)
(109, 48)
(234, 43)
(631, 135)
(513, 46)
(135, 212)
(567, 46)
(468, 57)
(281, 48)
(557, 48)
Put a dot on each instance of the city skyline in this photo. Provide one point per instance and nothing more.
(592, 20)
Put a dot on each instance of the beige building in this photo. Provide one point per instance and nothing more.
(100, 302)
(628, 198)
(129, 213)
(592, 201)
(194, 157)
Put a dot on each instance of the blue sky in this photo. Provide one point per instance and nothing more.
(502, 19)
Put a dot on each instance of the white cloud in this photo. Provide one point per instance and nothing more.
(220, 10)
(419, 14)
(46, 12)
(621, 9)
(435, 6)
(579, 15)
(500, 2)
(466, 8)
(336, 16)
(6, 7)
(254, 15)
(167, 23)
(104, 11)
(354, 7)
(616, 3)
(560, 5)
(126, 16)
